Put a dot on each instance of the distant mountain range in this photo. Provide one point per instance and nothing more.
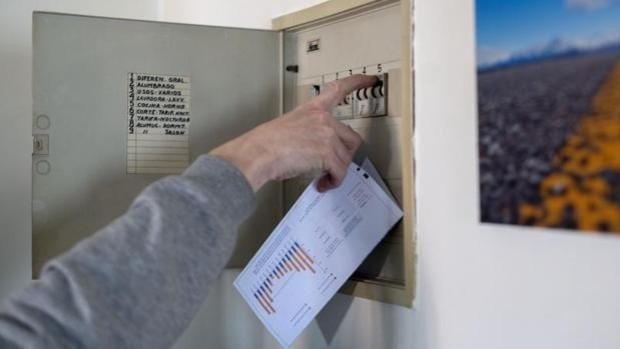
(492, 59)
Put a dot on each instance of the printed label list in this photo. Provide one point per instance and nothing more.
(158, 112)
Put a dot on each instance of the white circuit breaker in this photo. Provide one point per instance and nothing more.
(366, 102)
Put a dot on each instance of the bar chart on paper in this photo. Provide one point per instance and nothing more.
(291, 260)
(313, 251)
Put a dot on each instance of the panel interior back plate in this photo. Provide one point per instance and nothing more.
(369, 43)
(80, 73)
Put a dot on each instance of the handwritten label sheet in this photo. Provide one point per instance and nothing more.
(312, 252)
(158, 112)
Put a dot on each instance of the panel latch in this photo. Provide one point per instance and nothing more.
(40, 144)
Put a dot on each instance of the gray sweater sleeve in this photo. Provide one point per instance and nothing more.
(138, 282)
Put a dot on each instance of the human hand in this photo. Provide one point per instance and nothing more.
(306, 139)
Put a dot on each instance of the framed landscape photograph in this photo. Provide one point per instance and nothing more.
(549, 113)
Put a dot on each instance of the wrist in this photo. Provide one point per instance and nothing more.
(254, 162)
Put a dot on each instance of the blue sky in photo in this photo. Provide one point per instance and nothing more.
(513, 25)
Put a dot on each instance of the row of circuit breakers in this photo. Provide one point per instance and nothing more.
(365, 102)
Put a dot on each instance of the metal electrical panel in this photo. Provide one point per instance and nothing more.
(366, 41)
(119, 104)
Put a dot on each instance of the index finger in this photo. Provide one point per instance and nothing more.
(338, 89)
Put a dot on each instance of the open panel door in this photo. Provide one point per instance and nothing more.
(95, 84)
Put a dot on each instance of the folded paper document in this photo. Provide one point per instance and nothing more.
(316, 247)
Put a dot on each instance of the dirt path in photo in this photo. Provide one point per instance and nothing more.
(582, 191)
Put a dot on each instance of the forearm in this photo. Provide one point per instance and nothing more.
(139, 281)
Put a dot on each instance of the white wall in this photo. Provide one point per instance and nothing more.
(231, 13)
(488, 286)
(479, 286)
